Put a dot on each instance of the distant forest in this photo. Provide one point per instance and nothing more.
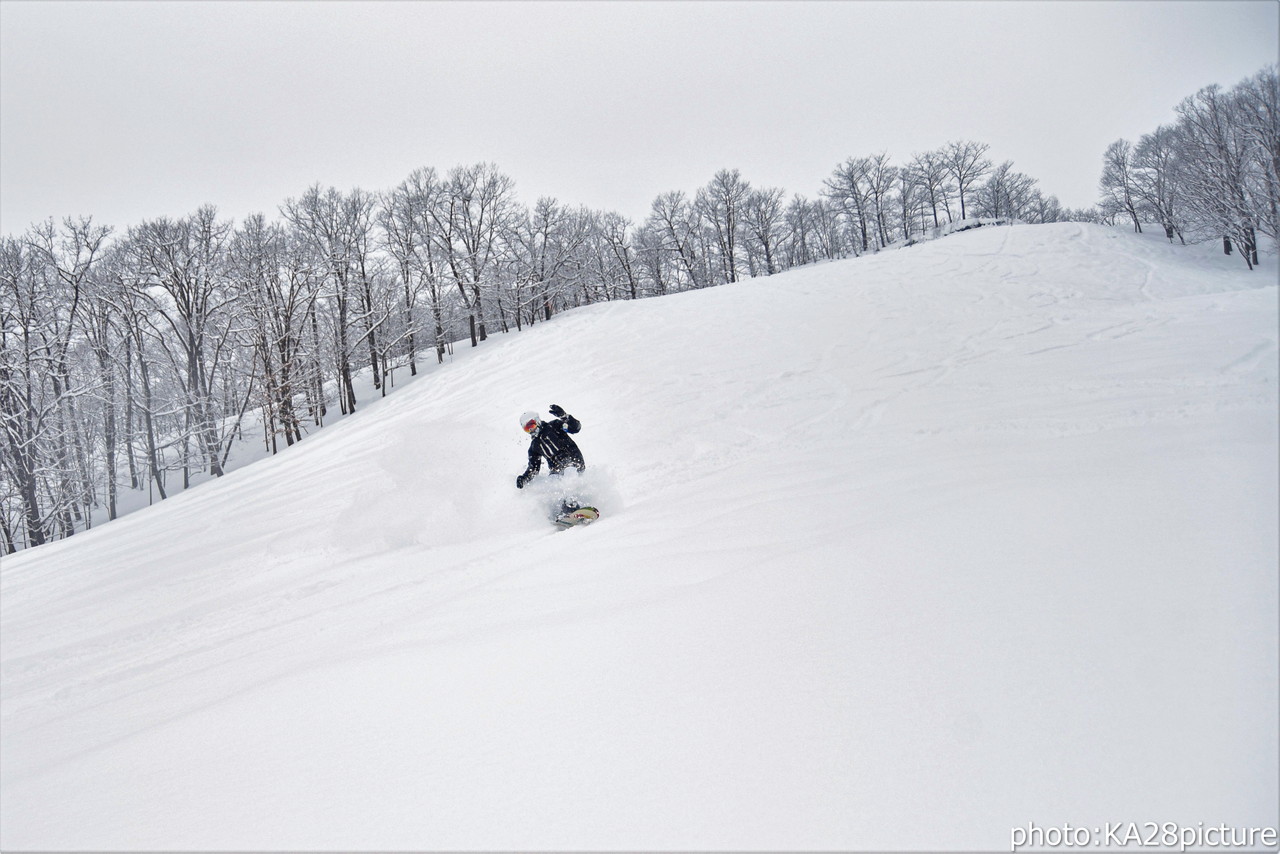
(133, 359)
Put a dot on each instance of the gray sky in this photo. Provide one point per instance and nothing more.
(133, 110)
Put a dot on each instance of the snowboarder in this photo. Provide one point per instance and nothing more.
(551, 439)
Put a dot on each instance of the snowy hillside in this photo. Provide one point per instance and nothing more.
(900, 552)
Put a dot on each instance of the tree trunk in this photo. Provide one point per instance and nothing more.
(153, 457)
(408, 325)
(109, 430)
(128, 414)
(366, 295)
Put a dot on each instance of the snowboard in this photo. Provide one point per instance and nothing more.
(581, 516)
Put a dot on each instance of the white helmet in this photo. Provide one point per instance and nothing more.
(530, 422)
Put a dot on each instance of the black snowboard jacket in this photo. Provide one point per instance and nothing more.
(552, 441)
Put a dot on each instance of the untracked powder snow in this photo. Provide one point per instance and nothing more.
(897, 552)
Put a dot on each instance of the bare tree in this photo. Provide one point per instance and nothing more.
(419, 250)
(651, 258)
(68, 254)
(1006, 194)
(799, 240)
(358, 208)
(1156, 178)
(323, 218)
(931, 175)
(720, 204)
(473, 218)
(278, 285)
(134, 311)
(762, 218)
(614, 230)
(548, 238)
(1119, 184)
(966, 165)
(849, 189)
(103, 331)
(1216, 163)
(1257, 102)
(881, 177)
(43, 285)
(1044, 209)
(186, 281)
(26, 400)
(675, 222)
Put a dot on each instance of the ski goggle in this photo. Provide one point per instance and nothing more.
(531, 426)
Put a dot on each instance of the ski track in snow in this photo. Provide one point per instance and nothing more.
(897, 552)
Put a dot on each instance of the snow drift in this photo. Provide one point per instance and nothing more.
(899, 552)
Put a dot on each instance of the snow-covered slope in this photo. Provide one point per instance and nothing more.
(897, 552)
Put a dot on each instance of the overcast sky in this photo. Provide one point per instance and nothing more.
(129, 111)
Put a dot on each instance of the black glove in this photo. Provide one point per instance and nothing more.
(557, 410)
(521, 480)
